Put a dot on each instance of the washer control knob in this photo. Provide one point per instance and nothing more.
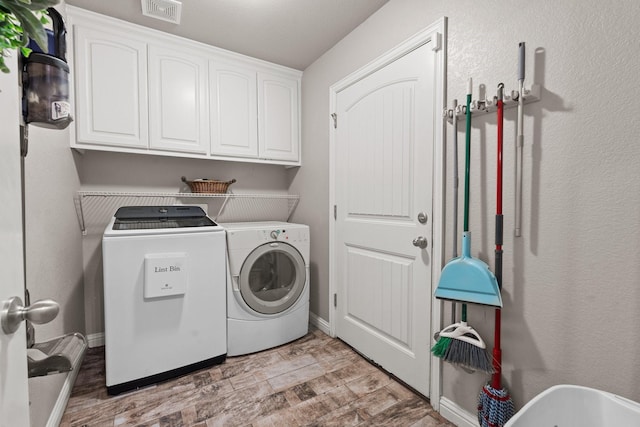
(274, 234)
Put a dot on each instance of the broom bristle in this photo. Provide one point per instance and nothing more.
(468, 355)
(440, 348)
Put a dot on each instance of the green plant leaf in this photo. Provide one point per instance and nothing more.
(32, 28)
(31, 5)
(3, 66)
(19, 21)
(10, 32)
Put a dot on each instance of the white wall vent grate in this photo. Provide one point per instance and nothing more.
(166, 10)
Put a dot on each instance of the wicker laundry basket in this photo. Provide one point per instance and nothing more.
(210, 186)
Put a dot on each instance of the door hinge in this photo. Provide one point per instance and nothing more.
(437, 41)
(334, 116)
(335, 212)
(335, 300)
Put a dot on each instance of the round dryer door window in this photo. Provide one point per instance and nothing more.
(272, 278)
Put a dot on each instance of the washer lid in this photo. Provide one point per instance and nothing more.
(155, 217)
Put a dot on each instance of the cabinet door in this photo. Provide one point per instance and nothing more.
(111, 88)
(234, 121)
(177, 101)
(278, 118)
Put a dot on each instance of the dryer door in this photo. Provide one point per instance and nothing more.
(272, 278)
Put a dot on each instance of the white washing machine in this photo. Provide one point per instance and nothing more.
(267, 285)
(165, 301)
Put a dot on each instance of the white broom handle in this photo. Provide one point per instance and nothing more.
(455, 194)
(520, 141)
(455, 179)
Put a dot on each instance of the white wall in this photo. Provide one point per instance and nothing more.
(571, 282)
(53, 239)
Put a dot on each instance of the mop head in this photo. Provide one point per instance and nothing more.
(495, 407)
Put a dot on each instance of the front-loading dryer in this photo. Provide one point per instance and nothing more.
(267, 285)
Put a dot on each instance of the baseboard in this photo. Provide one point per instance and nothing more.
(95, 340)
(456, 414)
(319, 323)
(63, 398)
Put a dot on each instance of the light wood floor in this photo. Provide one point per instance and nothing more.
(314, 381)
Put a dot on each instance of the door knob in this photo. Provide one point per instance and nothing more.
(420, 242)
(13, 312)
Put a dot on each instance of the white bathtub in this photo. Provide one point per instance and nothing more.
(576, 406)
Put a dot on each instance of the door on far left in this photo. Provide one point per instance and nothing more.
(14, 393)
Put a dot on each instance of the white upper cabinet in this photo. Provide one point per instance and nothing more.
(278, 117)
(138, 90)
(177, 100)
(111, 88)
(234, 122)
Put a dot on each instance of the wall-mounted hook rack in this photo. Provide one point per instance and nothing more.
(489, 105)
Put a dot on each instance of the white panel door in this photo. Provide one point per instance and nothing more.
(14, 395)
(234, 110)
(278, 121)
(178, 112)
(111, 88)
(384, 157)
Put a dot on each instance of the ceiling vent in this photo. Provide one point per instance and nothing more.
(166, 10)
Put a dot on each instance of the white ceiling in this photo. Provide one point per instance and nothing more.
(293, 33)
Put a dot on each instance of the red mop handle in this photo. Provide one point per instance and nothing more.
(497, 356)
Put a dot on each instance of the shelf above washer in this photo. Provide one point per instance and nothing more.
(96, 208)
